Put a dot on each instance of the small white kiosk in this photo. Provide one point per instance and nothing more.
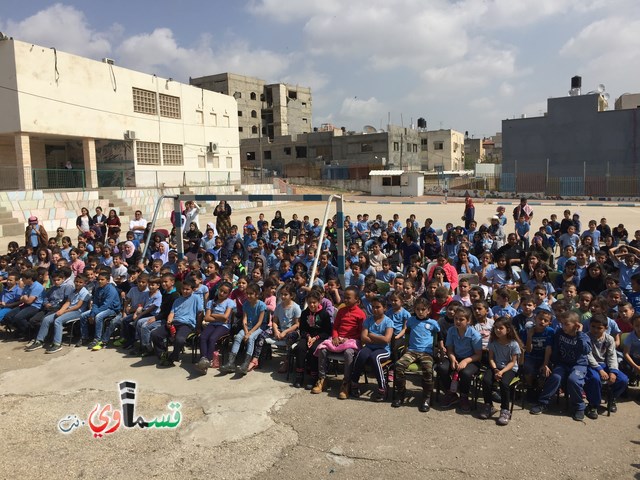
(397, 183)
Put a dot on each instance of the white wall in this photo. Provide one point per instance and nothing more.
(91, 99)
(9, 117)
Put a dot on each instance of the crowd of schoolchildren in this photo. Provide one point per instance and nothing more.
(548, 302)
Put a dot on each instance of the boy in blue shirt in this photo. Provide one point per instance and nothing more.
(569, 354)
(537, 338)
(603, 367)
(421, 350)
(106, 303)
(31, 302)
(181, 321)
(10, 296)
(75, 303)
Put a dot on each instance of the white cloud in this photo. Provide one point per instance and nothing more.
(609, 52)
(159, 50)
(63, 27)
(482, 103)
(355, 108)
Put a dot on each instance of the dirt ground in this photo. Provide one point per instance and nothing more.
(314, 436)
(261, 427)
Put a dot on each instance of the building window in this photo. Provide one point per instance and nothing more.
(267, 154)
(424, 144)
(438, 145)
(254, 114)
(301, 152)
(215, 163)
(253, 95)
(391, 181)
(366, 147)
(396, 146)
(254, 129)
(287, 150)
(240, 129)
(304, 104)
(229, 163)
(415, 148)
(251, 156)
(292, 94)
(239, 113)
(214, 119)
(172, 154)
(304, 120)
(148, 153)
(144, 101)
(169, 106)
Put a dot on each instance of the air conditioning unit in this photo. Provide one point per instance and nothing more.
(129, 135)
(108, 61)
(212, 148)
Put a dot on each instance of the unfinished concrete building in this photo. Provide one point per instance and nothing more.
(264, 110)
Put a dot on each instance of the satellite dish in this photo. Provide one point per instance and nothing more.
(600, 88)
(369, 129)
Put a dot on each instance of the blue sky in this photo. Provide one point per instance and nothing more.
(464, 64)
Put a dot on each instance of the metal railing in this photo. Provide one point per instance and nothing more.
(57, 178)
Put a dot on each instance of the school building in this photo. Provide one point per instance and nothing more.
(72, 122)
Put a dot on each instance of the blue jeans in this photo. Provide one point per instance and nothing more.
(58, 323)
(3, 312)
(115, 323)
(237, 340)
(98, 319)
(144, 330)
(574, 376)
(593, 385)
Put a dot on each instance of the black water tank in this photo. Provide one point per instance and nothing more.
(422, 123)
(576, 82)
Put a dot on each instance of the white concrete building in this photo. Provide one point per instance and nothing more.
(397, 183)
(69, 121)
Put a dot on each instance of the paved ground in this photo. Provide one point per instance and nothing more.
(260, 427)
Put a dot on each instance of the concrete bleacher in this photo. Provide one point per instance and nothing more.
(60, 208)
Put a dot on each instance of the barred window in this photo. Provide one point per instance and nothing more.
(144, 101)
(172, 154)
(148, 153)
(169, 106)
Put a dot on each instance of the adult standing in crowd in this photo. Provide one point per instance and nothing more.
(192, 213)
(35, 235)
(138, 225)
(99, 223)
(523, 208)
(223, 218)
(113, 224)
(469, 211)
(84, 222)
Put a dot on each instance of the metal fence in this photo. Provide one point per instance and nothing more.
(71, 179)
(575, 186)
(57, 178)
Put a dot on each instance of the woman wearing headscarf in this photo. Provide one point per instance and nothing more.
(130, 256)
(223, 218)
(162, 253)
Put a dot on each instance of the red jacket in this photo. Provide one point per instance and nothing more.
(348, 323)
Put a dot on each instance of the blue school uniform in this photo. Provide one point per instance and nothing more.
(185, 310)
(378, 329)
(399, 319)
(466, 345)
(422, 334)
